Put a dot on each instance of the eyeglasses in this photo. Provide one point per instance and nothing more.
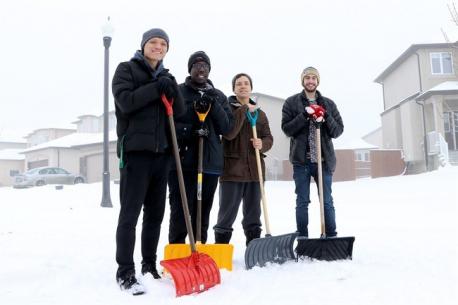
(201, 65)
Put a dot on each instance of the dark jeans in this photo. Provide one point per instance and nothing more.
(143, 184)
(302, 178)
(177, 226)
(230, 195)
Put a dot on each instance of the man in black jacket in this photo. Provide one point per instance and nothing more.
(199, 95)
(145, 152)
(302, 113)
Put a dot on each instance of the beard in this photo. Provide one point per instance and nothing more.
(310, 89)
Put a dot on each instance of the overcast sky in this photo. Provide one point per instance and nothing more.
(52, 52)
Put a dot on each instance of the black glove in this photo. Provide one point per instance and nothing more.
(210, 96)
(202, 105)
(167, 86)
(202, 132)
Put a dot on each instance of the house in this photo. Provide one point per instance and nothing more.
(420, 102)
(11, 160)
(279, 152)
(78, 152)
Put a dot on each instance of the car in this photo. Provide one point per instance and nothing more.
(46, 175)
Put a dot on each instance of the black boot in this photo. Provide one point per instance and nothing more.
(250, 235)
(150, 268)
(129, 283)
(222, 238)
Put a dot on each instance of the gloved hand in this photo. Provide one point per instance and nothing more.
(201, 105)
(316, 113)
(210, 96)
(167, 86)
(202, 132)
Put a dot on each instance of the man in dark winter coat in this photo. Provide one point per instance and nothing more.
(145, 152)
(301, 115)
(240, 175)
(200, 96)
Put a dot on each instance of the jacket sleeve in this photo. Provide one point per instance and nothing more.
(292, 122)
(264, 133)
(128, 98)
(333, 123)
(239, 116)
(221, 115)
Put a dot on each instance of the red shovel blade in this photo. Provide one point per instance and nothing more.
(193, 274)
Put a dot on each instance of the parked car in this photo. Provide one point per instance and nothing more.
(46, 175)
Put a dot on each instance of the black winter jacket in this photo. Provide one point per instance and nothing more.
(219, 122)
(142, 123)
(295, 124)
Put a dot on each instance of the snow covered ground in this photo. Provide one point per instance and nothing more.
(58, 246)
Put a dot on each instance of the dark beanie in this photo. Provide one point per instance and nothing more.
(198, 56)
(154, 33)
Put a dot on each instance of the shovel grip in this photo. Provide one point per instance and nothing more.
(168, 104)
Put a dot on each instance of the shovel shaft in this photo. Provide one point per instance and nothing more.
(261, 185)
(184, 200)
(199, 190)
(320, 180)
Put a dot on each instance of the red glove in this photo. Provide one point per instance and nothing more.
(316, 112)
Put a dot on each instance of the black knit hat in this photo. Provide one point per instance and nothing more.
(154, 33)
(198, 56)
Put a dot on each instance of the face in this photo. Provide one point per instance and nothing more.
(199, 72)
(310, 82)
(242, 88)
(155, 49)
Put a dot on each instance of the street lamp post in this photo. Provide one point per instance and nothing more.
(107, 31)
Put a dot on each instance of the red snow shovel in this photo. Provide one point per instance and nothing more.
(198, 272)
(324, 248)
(270, 249)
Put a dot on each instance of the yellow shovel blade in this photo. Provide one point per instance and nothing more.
(220, 253)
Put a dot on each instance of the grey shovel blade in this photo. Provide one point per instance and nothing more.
(273, 249)
(326, 249)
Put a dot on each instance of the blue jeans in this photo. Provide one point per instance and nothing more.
(302, 177)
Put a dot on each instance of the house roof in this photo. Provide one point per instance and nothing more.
(74, 140)
(11, 154)
(445, 88)
(407, 53)
(352, 143)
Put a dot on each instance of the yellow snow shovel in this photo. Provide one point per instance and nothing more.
(220, 253)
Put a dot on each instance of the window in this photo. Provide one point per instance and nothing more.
(14, 172)
(441, 63)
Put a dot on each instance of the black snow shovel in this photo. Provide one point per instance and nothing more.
(270, 249)
(324, 248)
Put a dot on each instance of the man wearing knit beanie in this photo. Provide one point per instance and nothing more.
(302, 114)
(198, 56)
(156, 32)
(145, 153)
(201, 97)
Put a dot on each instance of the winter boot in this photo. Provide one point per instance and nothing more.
(129, 283)
(252, 234)
(223, 237)
(150, 268)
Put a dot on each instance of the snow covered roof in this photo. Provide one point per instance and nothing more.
(73, 140)
(354, 143)
(11, 154)
(445, 88)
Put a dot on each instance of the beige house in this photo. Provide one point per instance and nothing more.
(78, 152)
(420, 97)
(272, 106)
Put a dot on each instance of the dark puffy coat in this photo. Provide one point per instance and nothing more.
(239, 154)
(218, 121)
(295, 124)
(142, 123)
